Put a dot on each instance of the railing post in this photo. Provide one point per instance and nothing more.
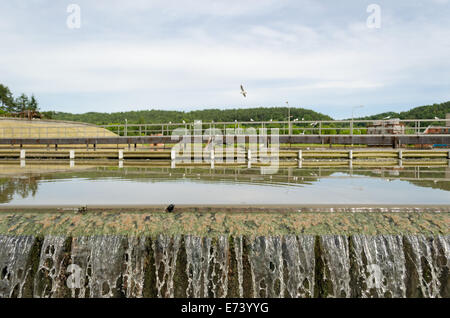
(350, 154)
(300, 155)
(22, 154)
(72, 154)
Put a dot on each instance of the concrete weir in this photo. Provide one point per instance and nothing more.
(131, 252)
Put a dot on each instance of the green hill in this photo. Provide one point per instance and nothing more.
(421, 112)
(161, 116)
(229, 115)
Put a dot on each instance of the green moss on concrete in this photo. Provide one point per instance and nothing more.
(323, 285)
(412, 283)
(233, 275)
(149, 290)
(247, 277)
(180, 279)
(32, 266)
(213, 224)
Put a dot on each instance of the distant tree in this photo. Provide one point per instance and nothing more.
(22, 103)
(6, 99)
(48, 114)
(33, 104)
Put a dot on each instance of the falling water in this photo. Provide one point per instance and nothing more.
(225, 266)
(14, 264)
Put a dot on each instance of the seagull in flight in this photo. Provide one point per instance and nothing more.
(243, 92)
(387, 117)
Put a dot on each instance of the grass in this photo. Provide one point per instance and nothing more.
(15, 128)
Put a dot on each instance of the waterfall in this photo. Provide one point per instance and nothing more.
(15, 265)
(53, 259)
(97, 261)
(379, 266)
(299, 264)
(225, 266)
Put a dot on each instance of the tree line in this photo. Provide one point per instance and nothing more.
(207, 115)
(421, 112)
(10, 104)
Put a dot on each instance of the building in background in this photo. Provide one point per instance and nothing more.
(386, 127)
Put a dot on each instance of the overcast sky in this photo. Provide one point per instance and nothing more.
(194, 54)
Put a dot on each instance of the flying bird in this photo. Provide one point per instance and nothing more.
(243, 92)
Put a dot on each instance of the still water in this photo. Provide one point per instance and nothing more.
(133, 185)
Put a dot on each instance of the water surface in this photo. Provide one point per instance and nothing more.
(110, 186)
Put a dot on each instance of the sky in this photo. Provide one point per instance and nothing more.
(325, 55)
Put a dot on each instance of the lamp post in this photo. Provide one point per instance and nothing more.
(289, 118)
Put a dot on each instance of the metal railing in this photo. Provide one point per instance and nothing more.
(295, 127)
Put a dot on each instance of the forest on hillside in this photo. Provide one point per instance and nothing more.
(207, 115)
(10, 105)
(421, 112)
(239, 114)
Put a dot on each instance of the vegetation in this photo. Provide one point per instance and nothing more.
(207, 115)
(10, 104)
(422, 112)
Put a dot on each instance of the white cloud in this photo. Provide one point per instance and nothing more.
(201, 62)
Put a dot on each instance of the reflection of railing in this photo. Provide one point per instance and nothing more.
(288, 174)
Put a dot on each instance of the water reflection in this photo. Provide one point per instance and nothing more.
(23, 186)
(155, 185)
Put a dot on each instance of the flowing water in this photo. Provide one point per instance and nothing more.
(185, 265)
(225, 266)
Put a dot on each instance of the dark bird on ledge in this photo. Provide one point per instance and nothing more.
(82, 210)
(170, 208)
